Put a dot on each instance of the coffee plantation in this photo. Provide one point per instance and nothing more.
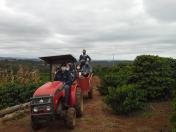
(129, 87)
(125, 99)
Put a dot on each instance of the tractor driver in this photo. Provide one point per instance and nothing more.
(84, 58)
(64, 75)
(71, 70)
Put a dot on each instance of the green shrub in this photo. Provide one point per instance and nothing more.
(149, 78)
(114, 77)
(103, 89)
(155, 75)
(125, 99)
(13, 94)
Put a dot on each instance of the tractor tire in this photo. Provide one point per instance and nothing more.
(35, 126)
(70, 118)
(79, 106)
(60, 109)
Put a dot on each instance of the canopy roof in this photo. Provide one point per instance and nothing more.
(59, 59)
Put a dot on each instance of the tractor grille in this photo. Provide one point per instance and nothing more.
(41, 105)
(41, 100)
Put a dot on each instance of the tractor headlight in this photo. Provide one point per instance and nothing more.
(48, 108)
(35, 109)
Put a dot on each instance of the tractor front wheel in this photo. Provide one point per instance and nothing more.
(70, 118)
(35, 125)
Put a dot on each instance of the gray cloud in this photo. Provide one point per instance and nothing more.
(161, 9)
(124, 28)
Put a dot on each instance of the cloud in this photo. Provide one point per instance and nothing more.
(124, 28)
(162, 10)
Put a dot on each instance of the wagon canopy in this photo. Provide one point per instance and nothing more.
(59, 59)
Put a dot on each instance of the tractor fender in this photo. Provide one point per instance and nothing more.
(73, 94)
(57, 97)
(59, 106)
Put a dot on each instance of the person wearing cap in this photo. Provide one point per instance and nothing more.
(63, 75)
(84, 58)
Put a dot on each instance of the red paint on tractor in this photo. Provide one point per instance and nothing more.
(73, 100)
(48, 88)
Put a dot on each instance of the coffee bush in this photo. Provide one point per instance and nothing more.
(125, 99)
(114, 77)
(155, 75)
(13, 94)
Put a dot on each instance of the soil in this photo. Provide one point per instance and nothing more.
(99, 118)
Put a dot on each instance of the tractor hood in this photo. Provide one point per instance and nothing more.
(48, 88)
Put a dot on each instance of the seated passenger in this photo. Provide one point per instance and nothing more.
(64, 76)
(71, 71)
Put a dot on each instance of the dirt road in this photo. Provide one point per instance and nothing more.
(99, 118)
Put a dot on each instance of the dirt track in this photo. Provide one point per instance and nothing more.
(98, 118)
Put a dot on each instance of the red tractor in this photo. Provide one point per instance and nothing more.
(47, 101)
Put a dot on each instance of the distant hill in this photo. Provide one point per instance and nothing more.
(109, 63)
(17, 59)
(7, 58)
(102, 63)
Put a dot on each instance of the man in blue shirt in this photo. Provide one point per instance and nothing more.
(71, 70)
(64, 75)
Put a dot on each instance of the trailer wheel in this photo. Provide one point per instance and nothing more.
(79, 106)
(70, 118)
(90, 93)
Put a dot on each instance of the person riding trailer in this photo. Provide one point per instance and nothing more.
(84, 60)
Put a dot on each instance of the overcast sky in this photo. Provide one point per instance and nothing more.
(125, 28)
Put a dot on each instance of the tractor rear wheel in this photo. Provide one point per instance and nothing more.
(79, 106)
(70, 118)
